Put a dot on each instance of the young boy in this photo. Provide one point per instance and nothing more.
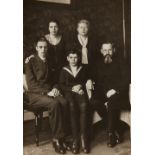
(72, 82)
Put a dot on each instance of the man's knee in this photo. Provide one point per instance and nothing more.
(95, 104)
(54, 105)
(114, 105)
(114, 101)
(84, 107)
(72, 105)
(62, 101)
(45, 100)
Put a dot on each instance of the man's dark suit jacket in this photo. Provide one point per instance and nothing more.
(110, 76)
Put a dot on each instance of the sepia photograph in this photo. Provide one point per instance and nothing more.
(77, 77)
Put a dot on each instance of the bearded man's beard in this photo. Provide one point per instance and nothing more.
(108, 59)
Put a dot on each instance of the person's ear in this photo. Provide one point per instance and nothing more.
(101, 51)
(36, 48)
(68, 58)
(114, 50)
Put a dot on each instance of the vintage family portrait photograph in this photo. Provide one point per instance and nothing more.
(77, 77)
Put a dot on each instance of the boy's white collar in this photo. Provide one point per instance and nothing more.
(71, 71)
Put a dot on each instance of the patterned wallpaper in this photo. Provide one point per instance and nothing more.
(105, 17)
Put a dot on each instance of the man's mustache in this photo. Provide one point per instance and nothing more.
(108, 55)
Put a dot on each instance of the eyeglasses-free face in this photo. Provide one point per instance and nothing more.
(42, 49)
(53, 28)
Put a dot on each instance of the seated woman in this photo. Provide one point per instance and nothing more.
(44, 92)
(57, 46)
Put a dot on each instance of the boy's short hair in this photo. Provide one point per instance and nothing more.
(73, 51)
(40, 39)
(83, 21)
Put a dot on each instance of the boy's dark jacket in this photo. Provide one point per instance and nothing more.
(67, 79)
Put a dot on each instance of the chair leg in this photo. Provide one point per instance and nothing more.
(40, 120)
(36, 129)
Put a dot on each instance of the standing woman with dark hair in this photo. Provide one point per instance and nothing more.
(57, 46)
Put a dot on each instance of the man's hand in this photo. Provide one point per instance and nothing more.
(76, 88)
(54, 92)
(90, 85)
(28, 58)
(110, 93)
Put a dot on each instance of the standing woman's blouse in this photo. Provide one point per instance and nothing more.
(56, 52)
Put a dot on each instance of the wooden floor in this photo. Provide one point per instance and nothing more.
(98, 146)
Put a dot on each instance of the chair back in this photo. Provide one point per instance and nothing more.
(25, 86)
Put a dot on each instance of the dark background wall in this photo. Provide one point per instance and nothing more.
(105, 17)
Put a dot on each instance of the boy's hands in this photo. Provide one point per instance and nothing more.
(81, 92)
(76, 88)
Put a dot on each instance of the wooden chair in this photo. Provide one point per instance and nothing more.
(126, 114)
(37, 112)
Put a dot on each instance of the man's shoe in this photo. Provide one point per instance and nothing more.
(67, 146)
(75, 148)
(85, 146)
(58, 146)
(85, 150)
(111, 140)
(118, 138)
